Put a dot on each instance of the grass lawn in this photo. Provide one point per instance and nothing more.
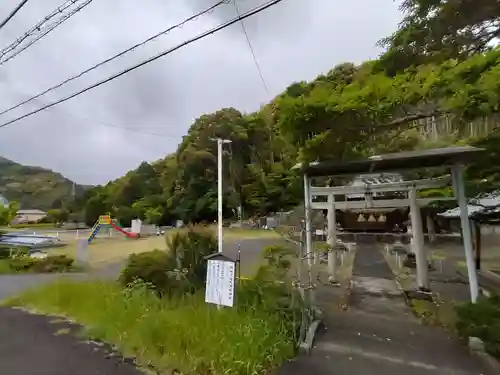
(4, 267)
(103, 251)
(183, 333)
(241, 233)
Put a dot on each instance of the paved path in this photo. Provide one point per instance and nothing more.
(30, 345)
(379, 335)
(369, 262)
(35, 345)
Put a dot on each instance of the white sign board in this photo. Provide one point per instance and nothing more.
(220, 282)
(136, 226)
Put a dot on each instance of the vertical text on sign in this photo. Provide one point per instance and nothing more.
(220, 282)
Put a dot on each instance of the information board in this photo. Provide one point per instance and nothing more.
(220, 282)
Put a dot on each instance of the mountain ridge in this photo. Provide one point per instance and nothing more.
(35, 187)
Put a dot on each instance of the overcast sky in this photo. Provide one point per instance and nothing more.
(295, 40)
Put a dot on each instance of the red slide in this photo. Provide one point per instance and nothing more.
(120, 229)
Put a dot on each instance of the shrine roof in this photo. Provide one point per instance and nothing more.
(394, 162)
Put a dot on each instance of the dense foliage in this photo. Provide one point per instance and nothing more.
(350, 112)
(7, 213)
(18, 261)
(182, 186)
(482, 320)
(437, 30)
(182, 268)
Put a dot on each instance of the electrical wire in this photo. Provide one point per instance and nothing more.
(114, 57)
(100, 122)
(41, 28)
(13, 13)
(203, 35)
(251, 49)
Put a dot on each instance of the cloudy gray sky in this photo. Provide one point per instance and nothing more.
(82, 138)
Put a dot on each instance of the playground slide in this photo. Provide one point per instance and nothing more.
(121, 230)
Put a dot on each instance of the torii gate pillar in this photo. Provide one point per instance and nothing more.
(331, 238)
(418, 245)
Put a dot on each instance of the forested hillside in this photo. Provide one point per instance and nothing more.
(35, 187)
(434, 86)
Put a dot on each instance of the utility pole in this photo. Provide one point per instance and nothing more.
(220, 143)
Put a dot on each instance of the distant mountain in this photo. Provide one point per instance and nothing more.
(35, 187)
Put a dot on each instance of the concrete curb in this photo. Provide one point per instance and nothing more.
(306, 346)
(476, 347)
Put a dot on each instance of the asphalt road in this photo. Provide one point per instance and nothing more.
(37, 345)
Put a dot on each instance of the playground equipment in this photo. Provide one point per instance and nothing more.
(106, 221)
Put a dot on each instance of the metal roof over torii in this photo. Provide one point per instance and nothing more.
(452, 157)
(394, 162)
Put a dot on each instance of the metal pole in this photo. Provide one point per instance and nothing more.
(307, 207)
(332, 237)
(418, 242)
(458, 186)
(219, 192)
(220, 142)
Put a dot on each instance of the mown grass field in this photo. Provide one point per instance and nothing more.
(112, 249)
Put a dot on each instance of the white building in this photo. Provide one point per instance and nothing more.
(28, 216)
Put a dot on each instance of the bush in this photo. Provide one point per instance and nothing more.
(179, 270)
(7, 252)
(188, 250)
(153, 268)
(22, 263)
(57, 263)
(482, 320)
(53, 264)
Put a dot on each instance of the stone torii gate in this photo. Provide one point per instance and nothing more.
(452, 157)
(410, 189)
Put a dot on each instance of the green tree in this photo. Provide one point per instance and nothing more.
(58, 215)
(437, 30)
(7, 214)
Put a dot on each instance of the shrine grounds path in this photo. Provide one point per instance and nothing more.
(378, 334)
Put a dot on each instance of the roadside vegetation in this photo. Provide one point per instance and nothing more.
(482, 320)
(18, 260)
(156, 311)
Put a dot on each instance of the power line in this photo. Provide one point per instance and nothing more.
(42, 28)
(214, 30)
(99, 122)
(13, 13)
(251, 49)
(82, 73)
(115, 126)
